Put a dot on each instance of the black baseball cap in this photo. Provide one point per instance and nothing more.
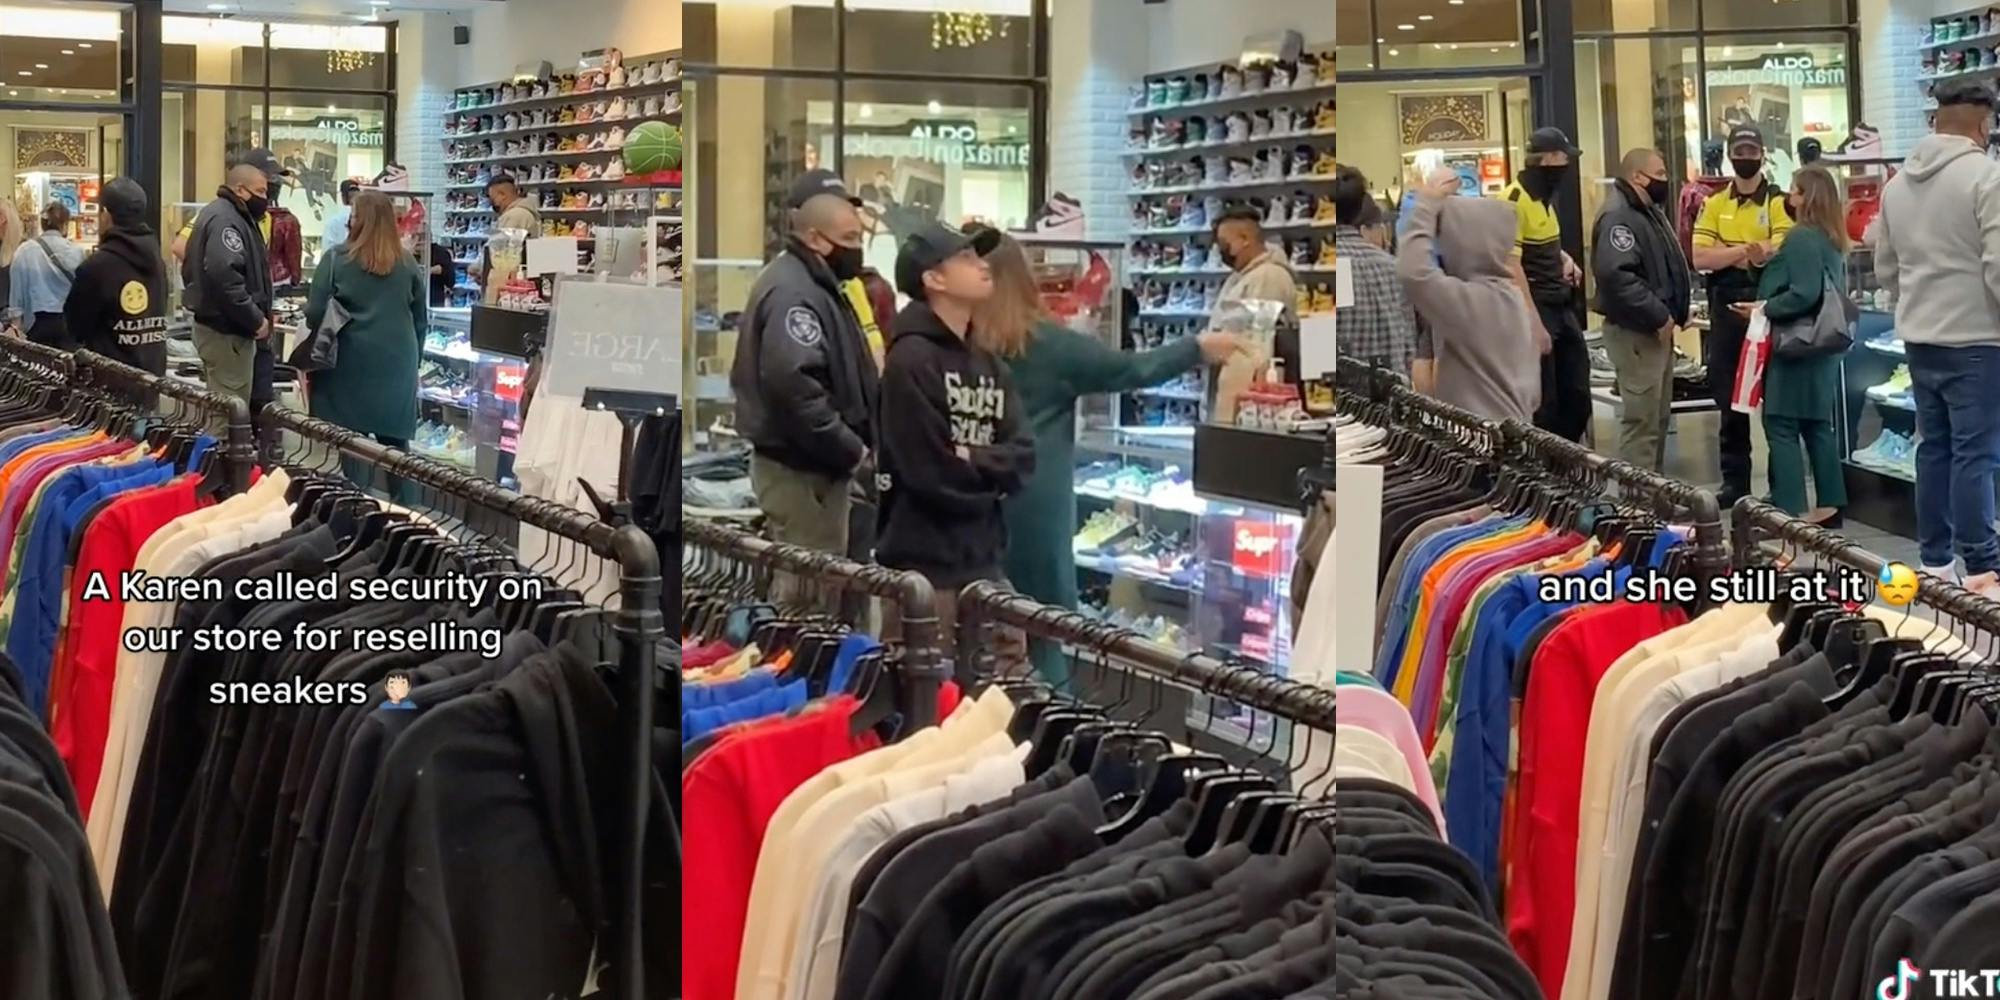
(814, 183)
(1550, 139)
(1959, 92)
(930, 246)
(267, 161)
(349, 188)
(1746, 135)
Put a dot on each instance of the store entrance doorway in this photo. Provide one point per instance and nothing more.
(61, 157)
(1477, 127)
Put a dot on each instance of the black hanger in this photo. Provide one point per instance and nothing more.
(213, 479)
(1213, 794)
(1821, 626)
(1797, 618)
(1117, 766)
(879, 709)
(1268, 822)
(1845, 638)
(1878, 656)
(1910, 671)
(1028, 715)
(1165, 785)
(1236, 818)
(373, 523)
(1049, 732)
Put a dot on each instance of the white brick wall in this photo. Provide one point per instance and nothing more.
(1891, 99)
(426, 72)
(1096, 56)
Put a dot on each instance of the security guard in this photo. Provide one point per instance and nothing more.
(1548, 278)
(804, 381)
(1738, 232)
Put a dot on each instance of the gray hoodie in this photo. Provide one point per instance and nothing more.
(1481, 337)
(1937, 244)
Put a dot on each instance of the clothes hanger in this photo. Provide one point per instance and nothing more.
(1166, 784)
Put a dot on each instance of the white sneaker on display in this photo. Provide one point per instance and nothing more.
(1061, 215)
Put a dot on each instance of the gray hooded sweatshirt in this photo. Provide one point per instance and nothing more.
(1937, 244)
(1480, 332)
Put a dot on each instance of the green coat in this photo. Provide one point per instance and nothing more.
(1059, 366)
(373, 388)
(1794, 280)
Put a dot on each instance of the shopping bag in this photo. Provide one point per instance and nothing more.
(1748, 392)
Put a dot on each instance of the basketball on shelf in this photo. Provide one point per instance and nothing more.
(652, 147)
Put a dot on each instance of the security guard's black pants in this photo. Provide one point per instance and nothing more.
(1720, 344)
(1565, 409)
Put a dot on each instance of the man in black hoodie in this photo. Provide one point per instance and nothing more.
(953, 443)
(117, 306)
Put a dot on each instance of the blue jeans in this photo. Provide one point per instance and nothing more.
(1959, 427)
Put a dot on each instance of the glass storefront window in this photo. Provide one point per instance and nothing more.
(916, 152)
(62, 52)
(1634, 92)
(201, 131)
(212, 50)
(1594, 16)
(1354, 33)
(990, 38)
(1394, 132)
(1790, 90)
(1460, 33)
(768, 34)
(330, 56)
(325, 141)
(1736, 15)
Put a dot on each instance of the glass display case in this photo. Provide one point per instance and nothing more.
(720, 289)
(1877, 425)
(1191, 572)
(468, 400)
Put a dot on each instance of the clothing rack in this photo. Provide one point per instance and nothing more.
(986, 602)
(86, 369)
(1756, 521)
(924, 667)
(637, 623)
(1517, 440)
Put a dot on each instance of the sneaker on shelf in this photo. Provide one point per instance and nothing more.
(1875, 454)
(1601, 370)
(1061, 215)
(1897, 385)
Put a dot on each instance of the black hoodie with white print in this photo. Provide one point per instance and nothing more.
(940, 512)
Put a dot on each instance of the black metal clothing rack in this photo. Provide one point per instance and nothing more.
(1515, 441)
(1756, 521)
(924, 668)
(88, 370)
(1303, 704)
(637, 624)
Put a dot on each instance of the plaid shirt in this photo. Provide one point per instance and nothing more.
(1378, 327)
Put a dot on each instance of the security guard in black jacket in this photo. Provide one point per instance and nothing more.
(1643, 287)
(804, 378)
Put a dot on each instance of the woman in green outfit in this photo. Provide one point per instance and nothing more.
(1801, 395)
(372, 387)
(1053, 366)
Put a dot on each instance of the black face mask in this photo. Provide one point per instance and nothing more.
(256, 205)
(1747, 169)
(1540, 181)
(846, 262)
(1656, 189)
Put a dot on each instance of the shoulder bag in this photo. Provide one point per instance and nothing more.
(1829, 330)
(320, 349)
(42, 240)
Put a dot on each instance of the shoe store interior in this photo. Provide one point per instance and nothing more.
(1844, 86)
(1109, 137)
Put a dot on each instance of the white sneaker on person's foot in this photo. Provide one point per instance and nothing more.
(1947, 572)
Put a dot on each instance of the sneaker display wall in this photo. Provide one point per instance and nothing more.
(1211, 140)
(559, 137)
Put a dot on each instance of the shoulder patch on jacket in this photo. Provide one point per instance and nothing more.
(232, 239)
(1622, 239)
(803, 325)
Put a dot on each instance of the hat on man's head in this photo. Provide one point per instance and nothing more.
(1550, 139)
(1746, 137)
(814, 183)
(349, 188)
(124, 200)
(265, 160)
(930, 246)
(1962, 92)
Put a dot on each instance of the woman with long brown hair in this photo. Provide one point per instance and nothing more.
(1801, 395)
(373, 386)
(1053, 366)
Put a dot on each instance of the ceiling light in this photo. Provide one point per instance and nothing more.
(83, 45)
(1406, 27)
(1393, 52)
(1728, 50)
(935, 107)
(1493, 50)
(13, 93)
(868, 111)
(69, 52)
(1379, 41)
(41, 65)
(331, 109)
(1424, 17)
(25, 72)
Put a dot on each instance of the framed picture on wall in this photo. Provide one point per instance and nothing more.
(52, 149)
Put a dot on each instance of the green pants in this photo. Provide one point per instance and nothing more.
(1788, 463)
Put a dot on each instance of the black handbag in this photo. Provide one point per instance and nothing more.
(1829, 330)
(320, 349)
